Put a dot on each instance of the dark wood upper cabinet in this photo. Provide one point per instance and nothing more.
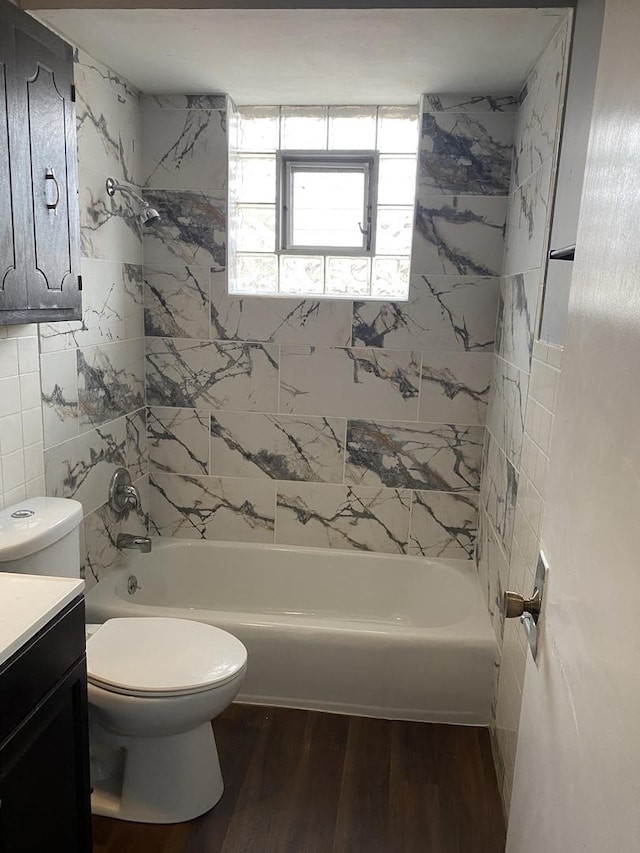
(13, 277)
(39, 228)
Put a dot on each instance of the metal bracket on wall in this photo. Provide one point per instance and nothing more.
(528, 609)
(565, 254)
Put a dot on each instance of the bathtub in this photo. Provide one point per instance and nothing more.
(343, 631)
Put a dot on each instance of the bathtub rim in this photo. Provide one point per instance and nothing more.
(475, 625)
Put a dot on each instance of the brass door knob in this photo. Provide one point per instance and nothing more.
(514, 604)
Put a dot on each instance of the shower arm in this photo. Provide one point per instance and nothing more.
(112, 186)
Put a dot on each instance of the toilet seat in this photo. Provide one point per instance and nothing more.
(162, 657)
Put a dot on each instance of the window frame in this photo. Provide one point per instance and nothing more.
(289, 161)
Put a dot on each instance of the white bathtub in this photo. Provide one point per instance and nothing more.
(358, 633)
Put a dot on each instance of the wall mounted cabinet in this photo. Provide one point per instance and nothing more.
(39, 228)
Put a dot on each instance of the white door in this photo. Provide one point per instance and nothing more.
(577, 778)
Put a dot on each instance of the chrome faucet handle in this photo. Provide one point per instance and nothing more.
(132, 496)
(123, 495)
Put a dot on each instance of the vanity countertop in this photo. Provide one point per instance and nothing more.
(27, 603)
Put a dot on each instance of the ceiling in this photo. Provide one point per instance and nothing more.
(305, 56)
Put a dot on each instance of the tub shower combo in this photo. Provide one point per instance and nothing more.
(343, 631)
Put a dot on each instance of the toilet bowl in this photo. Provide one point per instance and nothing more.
(154, 685)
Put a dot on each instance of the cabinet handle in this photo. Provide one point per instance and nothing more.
(50, 176)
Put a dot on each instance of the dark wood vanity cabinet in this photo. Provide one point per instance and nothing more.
(44, 741)
(39, 226)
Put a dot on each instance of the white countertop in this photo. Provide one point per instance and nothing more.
(27, 603)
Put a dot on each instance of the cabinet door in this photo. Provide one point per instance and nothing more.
(13, 284)
(44, 784)
(45, 85)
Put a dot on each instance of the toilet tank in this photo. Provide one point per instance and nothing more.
(41, 536)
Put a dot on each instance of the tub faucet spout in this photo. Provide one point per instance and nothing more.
(140, 543)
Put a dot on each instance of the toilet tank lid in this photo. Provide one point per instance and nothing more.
(34, 524)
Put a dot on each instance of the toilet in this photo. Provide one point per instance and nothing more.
(154, 684)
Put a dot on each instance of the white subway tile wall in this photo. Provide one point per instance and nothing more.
(21, 444)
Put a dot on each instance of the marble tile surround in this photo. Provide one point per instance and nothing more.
(455, 387)
(199, 339)
(92, 371)
(212, 374)
(369, 519)
(539, 113)
(280, 447)
(365, 419)
(527, 229)
(444, 313)
(365, 381)
(192, 229)
(514, 465)
(423, 362)
(443, 525)
(507, 407)
(414, 455)
(242, 442)
(458, 235)
(251, 364)
(467, 153)
(178, 144)
(479, 103)
(517, 307)
(212, 508)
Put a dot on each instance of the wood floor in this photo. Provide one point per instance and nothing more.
(304, 782)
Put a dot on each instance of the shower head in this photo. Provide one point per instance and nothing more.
(147, 215)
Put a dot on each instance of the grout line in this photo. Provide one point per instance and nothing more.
(409, 529)
(275, 511)
(278, 410)
(344, 452)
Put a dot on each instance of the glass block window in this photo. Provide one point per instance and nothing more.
(345, 178)
(326, 202)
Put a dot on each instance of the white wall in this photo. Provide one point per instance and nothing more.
(577, 782)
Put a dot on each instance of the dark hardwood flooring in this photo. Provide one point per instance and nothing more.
(306, 782)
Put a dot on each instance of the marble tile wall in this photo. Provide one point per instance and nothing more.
(92, 370)
(510, 498)
(527, 230)
(325, 423)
